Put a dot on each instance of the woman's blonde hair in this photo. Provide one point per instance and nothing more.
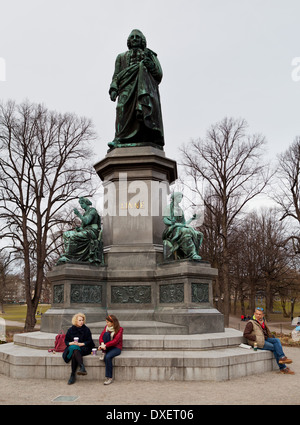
(75, 318)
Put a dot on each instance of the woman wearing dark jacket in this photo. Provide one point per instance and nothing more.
(111, 344)
(79, 343)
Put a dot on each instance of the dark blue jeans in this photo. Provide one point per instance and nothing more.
(111, 352)
(274, 344)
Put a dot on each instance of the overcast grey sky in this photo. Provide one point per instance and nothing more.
(219, 58)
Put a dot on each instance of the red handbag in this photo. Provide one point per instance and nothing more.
(59, 345)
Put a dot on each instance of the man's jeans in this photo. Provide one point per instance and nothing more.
(274, 344)
(111, 352)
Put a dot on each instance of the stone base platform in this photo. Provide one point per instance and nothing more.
(151, 357)
(178, 293)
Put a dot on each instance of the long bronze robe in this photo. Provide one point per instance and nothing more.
(138, 117)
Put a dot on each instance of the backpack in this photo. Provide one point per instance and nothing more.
(59, 345)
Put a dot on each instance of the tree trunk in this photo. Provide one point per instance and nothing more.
(252, 296)
(283, 306)
(225, 267)
(293, 302)
(235, 302)
(269, 300)
(243, 310)
(226, 304)
(32, 305)
(30, 320)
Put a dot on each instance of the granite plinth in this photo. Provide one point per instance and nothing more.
(178, 292)
(136, 183)
(75, 287)
(214, 357)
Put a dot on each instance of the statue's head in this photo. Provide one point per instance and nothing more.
(136, 39)
(84, 201)
(176, 197)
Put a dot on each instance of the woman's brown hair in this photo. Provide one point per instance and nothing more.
(112, 318)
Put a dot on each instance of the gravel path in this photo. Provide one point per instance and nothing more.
(276, 389)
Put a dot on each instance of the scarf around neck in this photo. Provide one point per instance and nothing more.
(111, 330)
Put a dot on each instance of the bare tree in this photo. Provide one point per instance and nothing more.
(267, 262)
(4, 269)
(44, 165)
(274, 258)
(289, 290)
(230, 162)
(249, 260)
(287, 193)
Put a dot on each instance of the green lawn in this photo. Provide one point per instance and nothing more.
(277, 316)
(17, 312)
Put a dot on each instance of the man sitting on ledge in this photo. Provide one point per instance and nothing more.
(257, 331)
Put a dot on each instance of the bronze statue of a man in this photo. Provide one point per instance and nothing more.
(135, 83)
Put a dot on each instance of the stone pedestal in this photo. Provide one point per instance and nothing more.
(135, 283)
(178, 293)
(185, 296)
(136, 183)
(75, 288)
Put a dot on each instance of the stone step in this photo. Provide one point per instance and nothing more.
(231, 337)
(149, 365)
(144, 327)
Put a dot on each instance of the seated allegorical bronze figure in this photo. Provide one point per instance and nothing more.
(84, 244)
(180, 240)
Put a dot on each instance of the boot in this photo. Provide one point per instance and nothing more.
(82, 370)
(72, 379)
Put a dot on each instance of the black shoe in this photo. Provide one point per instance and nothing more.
(72, 379)
(82, 370)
